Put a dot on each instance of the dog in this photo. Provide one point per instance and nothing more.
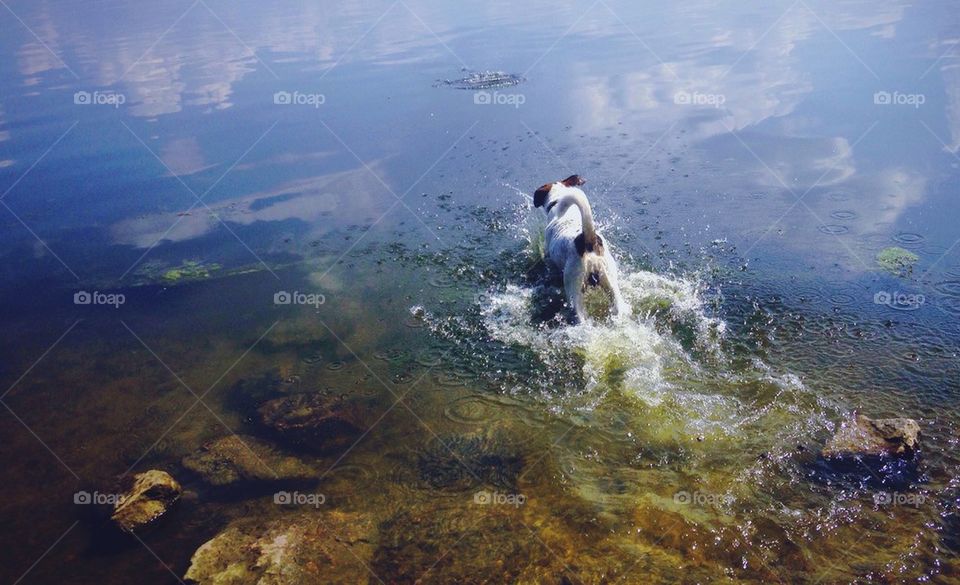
(576, 249)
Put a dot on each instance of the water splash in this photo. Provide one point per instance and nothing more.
(629, 353)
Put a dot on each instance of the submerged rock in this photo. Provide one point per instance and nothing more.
(317, 421)
(467, 543)
(149, 497)
(864, 436)
(463, 542)
(461, 462)
(242, 459)
(334, 547)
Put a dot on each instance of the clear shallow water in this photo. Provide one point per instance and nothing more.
(661, 449)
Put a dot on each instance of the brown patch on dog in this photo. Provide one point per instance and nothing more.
(541, 194)
(573, 181)
(583, 246)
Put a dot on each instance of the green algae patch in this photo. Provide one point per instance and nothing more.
(897, 261)
(654, 306)
(158, 272)
(188, 271)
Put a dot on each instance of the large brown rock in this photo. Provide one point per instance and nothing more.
(149, 497)
(863, 436)
(240, 459)
(318, 421)
(333, 547)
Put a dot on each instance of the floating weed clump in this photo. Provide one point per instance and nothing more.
(189, 270)
(897, 261)
(477, 80)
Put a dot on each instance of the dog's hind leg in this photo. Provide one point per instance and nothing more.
(573, 287)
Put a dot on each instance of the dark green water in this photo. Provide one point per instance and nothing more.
(742, 159)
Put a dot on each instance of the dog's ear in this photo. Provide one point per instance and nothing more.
(541, 194)
(573, 181)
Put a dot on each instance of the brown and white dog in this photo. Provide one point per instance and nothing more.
(574, 246)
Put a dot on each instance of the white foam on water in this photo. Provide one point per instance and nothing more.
(633, 347)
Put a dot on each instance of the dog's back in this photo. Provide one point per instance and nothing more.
(561, 233)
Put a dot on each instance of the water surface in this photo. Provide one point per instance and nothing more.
(747, 161)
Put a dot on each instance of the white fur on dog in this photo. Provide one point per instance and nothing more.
(569, 216)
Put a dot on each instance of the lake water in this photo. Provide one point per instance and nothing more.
(168, 168)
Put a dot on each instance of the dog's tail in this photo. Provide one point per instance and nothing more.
(576, 197)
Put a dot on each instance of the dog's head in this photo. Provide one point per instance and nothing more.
(541, 197)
